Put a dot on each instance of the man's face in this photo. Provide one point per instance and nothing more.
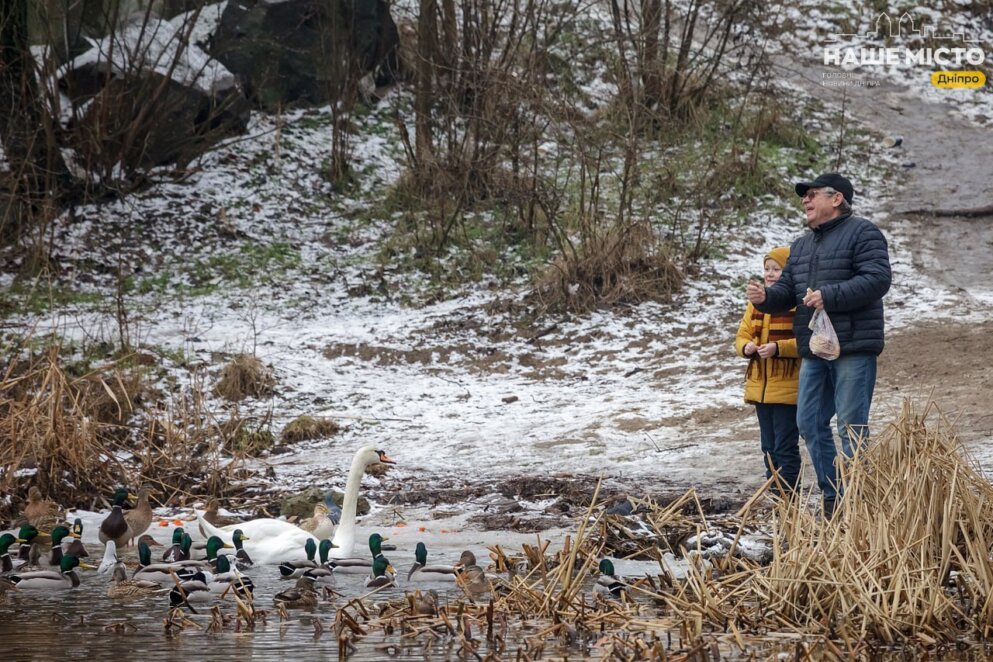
(820, 205)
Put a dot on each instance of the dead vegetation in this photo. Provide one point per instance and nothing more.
(79, 436)
(305, 428)
(245, 376)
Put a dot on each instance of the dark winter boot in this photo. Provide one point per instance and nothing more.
(829, 509)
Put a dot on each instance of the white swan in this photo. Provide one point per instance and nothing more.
(272, 541)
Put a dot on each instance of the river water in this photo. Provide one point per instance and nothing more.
(84, 623)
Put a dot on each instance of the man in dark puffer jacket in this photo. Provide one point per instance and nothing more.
(844, 263)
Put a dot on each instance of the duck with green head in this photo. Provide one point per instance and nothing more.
(294, 569)
(214, 546)
(607, 582)
(301, 596)
(6, 563)
(114, 526)
(227, 577)
(242, 560)
(44, 556)
(175, 551)
(26, 536)
(163, 573)
(51, 580)
(421, 571)
(357, 565)
(323, 572)
(193, 589)
(122, 588)
(383, 573)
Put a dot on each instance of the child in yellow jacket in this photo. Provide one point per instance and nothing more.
(772, 378)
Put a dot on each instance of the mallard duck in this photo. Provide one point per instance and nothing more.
(423, 604)
(122, 588)
(242, 560)
(324, 572)
(357, 565)
(192, 589)
(320, 524)
(6, 563)
(383, 573)
(49, 580)
(421, 571)
(44, 556)
(225, 576)
(471, 577)
(293, 569)
(27, 536)
(41, 512)
(212, 515)
(163, 573)
(274, 541)
(77, 528)
(301, 596)
(608, 583)
(149, 540)
(139, 518)
(114, 526)
(175, 551)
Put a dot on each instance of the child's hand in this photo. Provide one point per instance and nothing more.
(749, 349)
(768, 350)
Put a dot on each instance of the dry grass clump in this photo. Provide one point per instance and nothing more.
(906, 560)
(619, 264)
(245, 376)
(64, 428)
(305, 428)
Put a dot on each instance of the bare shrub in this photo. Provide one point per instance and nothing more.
(305, 428)
(245, 376)
(612, 264)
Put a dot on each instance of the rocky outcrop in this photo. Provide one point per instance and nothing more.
(297, 51)
(147, 96)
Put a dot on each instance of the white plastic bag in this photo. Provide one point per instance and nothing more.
(824, 341)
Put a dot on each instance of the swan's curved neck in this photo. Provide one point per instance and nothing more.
(344, 534)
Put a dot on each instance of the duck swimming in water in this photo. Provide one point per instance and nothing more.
(114, 526)
(471, 577)
(301, 596)
(383, 573)
(294, 569)
(421, 571)
(607, 582)
(50, 580)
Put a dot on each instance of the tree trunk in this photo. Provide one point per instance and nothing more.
(651, 11)
(26, 130)
(425, 74)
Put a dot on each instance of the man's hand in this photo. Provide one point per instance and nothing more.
(768, 350)
(755, 292)
(749, 349)
(813, 299)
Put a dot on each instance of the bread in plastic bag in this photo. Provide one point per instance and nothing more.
(824, 341)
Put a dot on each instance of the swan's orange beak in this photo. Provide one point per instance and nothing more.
(384, 458)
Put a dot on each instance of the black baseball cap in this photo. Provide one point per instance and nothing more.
(832, 179)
